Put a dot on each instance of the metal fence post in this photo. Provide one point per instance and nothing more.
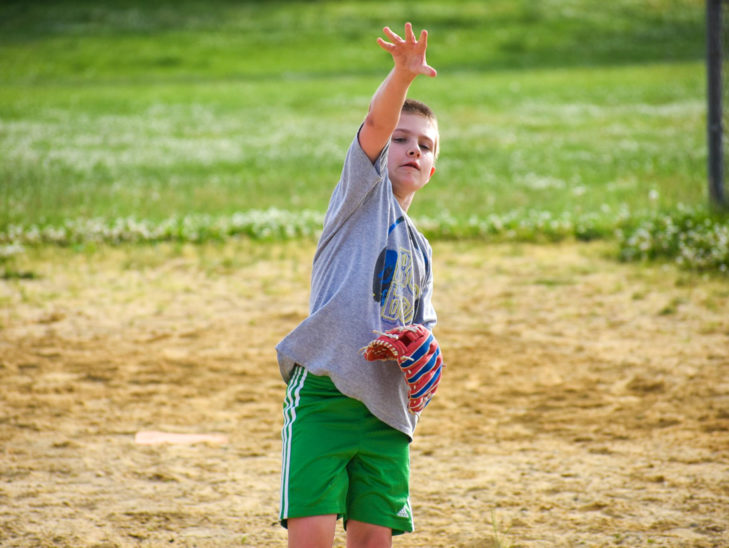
(714, 116)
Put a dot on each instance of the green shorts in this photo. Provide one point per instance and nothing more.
(340, 459)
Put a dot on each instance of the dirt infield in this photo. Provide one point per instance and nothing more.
(585, 403)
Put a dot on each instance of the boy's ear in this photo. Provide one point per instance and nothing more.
(432, 171)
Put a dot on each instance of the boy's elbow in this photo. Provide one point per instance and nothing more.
(373, 137)
(377, 128)
(371, 122)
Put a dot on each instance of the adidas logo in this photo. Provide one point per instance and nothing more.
(404, 512)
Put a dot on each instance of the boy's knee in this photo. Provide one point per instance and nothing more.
(312, 531)
(366, 535)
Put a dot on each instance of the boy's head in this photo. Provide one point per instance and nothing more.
(413, 149)
(411, 106)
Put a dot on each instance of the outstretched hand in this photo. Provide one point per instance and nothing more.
(408, 54)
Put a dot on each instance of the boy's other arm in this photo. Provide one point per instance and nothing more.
(408, 56)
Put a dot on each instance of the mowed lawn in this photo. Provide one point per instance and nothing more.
(111, 110)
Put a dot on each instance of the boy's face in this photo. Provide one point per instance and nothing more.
(411, 158)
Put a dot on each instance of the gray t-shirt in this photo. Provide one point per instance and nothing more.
(371, 272)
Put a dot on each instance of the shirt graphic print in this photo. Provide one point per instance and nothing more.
(394, 285)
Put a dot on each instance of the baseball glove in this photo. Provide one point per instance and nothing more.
(416, 351)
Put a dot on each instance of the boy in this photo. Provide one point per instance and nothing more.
(347, 427)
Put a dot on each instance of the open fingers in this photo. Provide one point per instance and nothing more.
(387, 46)
(392, 36)
(399, 46)
(409, 35)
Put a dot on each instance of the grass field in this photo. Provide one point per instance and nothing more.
(153, 110)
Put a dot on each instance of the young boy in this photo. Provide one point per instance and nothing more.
(347, 428)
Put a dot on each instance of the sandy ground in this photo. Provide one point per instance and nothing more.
(585, 403)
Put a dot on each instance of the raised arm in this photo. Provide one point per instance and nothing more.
(408, 55)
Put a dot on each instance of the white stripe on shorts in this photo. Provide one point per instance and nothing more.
(290, 404)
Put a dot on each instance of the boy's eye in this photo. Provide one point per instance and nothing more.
(425, 147)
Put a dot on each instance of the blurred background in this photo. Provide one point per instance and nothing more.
(558, 117)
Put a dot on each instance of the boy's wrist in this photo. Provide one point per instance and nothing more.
(403, 75)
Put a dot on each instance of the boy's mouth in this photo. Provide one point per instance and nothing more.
(413, 165)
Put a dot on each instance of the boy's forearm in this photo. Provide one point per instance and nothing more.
(386, 103)
(384, 111)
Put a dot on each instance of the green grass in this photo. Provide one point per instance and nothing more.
(166, 109)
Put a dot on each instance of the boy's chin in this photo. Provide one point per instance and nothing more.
(412, 189)
(408, 185)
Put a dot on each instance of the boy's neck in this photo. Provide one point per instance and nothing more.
(405, 201)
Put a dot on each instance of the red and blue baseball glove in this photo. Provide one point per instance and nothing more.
(416, 351)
